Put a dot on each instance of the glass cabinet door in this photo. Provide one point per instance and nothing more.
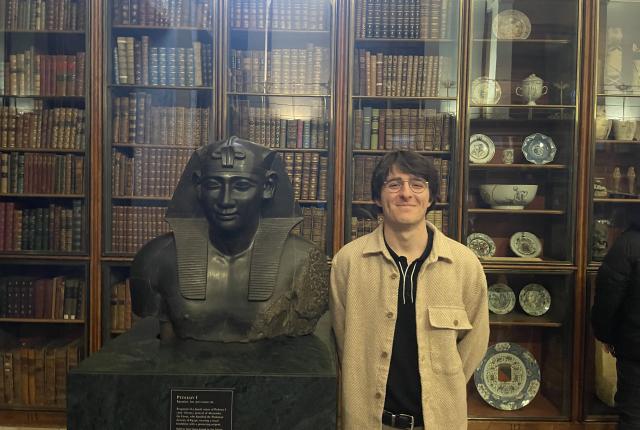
(521, 140)
(616, 130)
(159, 95)
(519, 200)
(615, 161)
(279, 93)
(404, 92)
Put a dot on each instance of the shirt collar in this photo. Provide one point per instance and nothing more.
(441, 249)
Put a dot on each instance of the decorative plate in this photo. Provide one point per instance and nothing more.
(508, 377)
(539, 148)
(502, 299)
(481, 149)
(534, 299)
(525, 244)
(511, 24)
(481, 244)
(485, 91)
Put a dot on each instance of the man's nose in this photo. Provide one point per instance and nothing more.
(405, 190)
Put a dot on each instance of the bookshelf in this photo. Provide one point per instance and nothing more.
(160, 106)
(404, 95)
(44, 222)
(279, 92)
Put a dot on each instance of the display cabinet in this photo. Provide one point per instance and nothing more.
(519, 200)
(279, 87)
(44, 220)
(404, 94)
(614, 198)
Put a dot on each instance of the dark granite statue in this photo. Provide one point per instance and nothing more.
(231, 270)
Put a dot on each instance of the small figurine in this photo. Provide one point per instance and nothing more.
(631, 178)
(616, 175)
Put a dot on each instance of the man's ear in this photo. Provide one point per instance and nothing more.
(377, 202)
(270, 184)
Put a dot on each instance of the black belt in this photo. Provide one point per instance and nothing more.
(399, 421)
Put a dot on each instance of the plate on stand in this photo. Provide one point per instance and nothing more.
(534, 299)
(525, 244)
(481, 244)
(539, 148)
(502, 299)
(481, 149)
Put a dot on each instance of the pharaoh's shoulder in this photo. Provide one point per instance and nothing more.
(303, 253)
(159, 252)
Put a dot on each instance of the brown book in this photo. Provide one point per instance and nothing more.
(7, 375)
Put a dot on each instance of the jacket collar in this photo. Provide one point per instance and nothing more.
(441, 249)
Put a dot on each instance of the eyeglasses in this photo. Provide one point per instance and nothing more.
(416, 185)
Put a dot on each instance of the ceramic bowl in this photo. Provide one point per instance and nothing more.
(508, 196)
(603, 127)
(624, 129)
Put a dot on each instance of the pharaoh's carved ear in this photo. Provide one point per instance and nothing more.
(195, 178)
(270, 184)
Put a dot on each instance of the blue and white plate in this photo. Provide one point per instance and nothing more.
(508, 377)
(539, 148)
(502, 299)
(534, 299)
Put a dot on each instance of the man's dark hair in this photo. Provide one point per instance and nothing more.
(408, 162)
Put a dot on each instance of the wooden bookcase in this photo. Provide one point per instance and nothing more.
(332, 85)
(44, 202)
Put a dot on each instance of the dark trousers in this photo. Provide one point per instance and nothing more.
(628, 394)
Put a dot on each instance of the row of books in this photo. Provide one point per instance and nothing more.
(400, 75)
(402, 19)
(163, 13)
(402, 128)
(55, 298)
(30, 74)
(54, 228)
(137, 120)
(54, 128)
(41, 15)
(132, 227)
(313, 226)
(269, 128)
(35, 372)
(149, 172)
(308, 174)
(364, 226)
(302, 15)
(135, 62)
(120, 306)
(364, 165)
(288, 70)
(40, 173)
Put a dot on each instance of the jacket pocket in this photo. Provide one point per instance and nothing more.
(446, 323)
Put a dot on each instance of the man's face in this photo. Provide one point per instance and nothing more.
(232, 200)
(405, 207)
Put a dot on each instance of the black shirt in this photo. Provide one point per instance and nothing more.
(403, 383)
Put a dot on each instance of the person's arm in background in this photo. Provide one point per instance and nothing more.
(612, 284)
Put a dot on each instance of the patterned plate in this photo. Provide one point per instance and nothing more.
(502, 299)
(481, 149)
(481, 244)
(539, 148)
(508, 377)
(525, 244)
(511, 24)
(534, 299)
(485, 91)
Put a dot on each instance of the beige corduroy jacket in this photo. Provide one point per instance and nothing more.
(452, 328)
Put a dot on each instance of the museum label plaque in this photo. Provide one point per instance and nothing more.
(201, 409)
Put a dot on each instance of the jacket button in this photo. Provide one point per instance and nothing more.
(455, 323)
(389, 314)
(378, 396)
(384, 354)
(394, 276)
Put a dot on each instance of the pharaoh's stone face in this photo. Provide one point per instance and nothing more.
(231, 200)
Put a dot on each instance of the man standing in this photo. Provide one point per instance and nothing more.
(409, 309)
(615, 318)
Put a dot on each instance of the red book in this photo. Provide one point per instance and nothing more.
(47, 296)
(61, 75)
(71, 75)
(38, 298)
(299, 138)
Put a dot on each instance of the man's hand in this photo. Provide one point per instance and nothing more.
(609, 348)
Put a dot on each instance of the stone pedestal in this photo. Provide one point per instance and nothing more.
(287, 383)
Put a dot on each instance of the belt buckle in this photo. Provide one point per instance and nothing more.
(410, 417)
